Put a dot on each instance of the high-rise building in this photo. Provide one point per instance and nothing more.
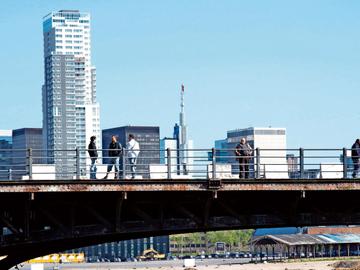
(149, 141)
(24, 139)
(121, 250)
(5, 153)
(182, 156)
(185, 145)
(71, 114)
(272, 145)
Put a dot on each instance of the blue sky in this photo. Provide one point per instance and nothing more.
(293, 64)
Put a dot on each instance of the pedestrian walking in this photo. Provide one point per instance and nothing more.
(355, 156)
(243, 151)
(93, 157)
(133, 150)
(115, 150)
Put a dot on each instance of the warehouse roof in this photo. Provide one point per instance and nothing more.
(306, 239)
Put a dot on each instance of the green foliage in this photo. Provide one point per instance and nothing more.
(232, 238)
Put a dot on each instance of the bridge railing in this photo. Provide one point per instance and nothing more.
(198, 164)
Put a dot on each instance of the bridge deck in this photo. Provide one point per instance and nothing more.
(176, 185)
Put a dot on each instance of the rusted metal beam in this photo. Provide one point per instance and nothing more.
(54, 220)
(9, 225)
(187, 213)
(99, 217)
(118, 211)
(172, 185)
(140, 213)
(207, 211)
(230, 211)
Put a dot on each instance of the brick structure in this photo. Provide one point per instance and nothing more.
(333, 230)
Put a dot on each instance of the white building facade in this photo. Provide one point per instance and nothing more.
(71, 113)
(272, 146)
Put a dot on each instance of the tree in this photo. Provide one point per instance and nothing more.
(239, 238)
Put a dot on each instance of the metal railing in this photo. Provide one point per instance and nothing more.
(27, 164)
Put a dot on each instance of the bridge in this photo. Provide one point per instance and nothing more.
(50, 216)
(39, 217)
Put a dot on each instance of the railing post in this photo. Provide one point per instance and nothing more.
(344, 163)
(213, 151)
(301, 155)
(30, 162)
(168, 153)
(257, 152)
(78, 163)
(123, 160)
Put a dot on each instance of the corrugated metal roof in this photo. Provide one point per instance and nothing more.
(276, 231)
(307, 239)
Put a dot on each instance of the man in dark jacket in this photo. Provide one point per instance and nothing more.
(355, 156)
(243, 152)
(93, 157)
(115, 151)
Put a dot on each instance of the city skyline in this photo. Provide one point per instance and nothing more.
(295, 64)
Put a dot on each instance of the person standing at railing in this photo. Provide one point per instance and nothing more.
(243, 151)
(93, 157)
(355, 156)
(133, 150)
(115, 150)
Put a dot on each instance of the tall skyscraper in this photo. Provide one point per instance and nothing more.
(182, 156)
(71, 114)
(185, 145)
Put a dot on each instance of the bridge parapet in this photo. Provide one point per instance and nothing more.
(151, 185)
(211, 164)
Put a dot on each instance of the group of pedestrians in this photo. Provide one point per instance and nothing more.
(243, 153)
(115, 151)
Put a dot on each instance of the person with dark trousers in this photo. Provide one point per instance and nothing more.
(93, 157)
(243, 152)
(355, 156)
(115, 150)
